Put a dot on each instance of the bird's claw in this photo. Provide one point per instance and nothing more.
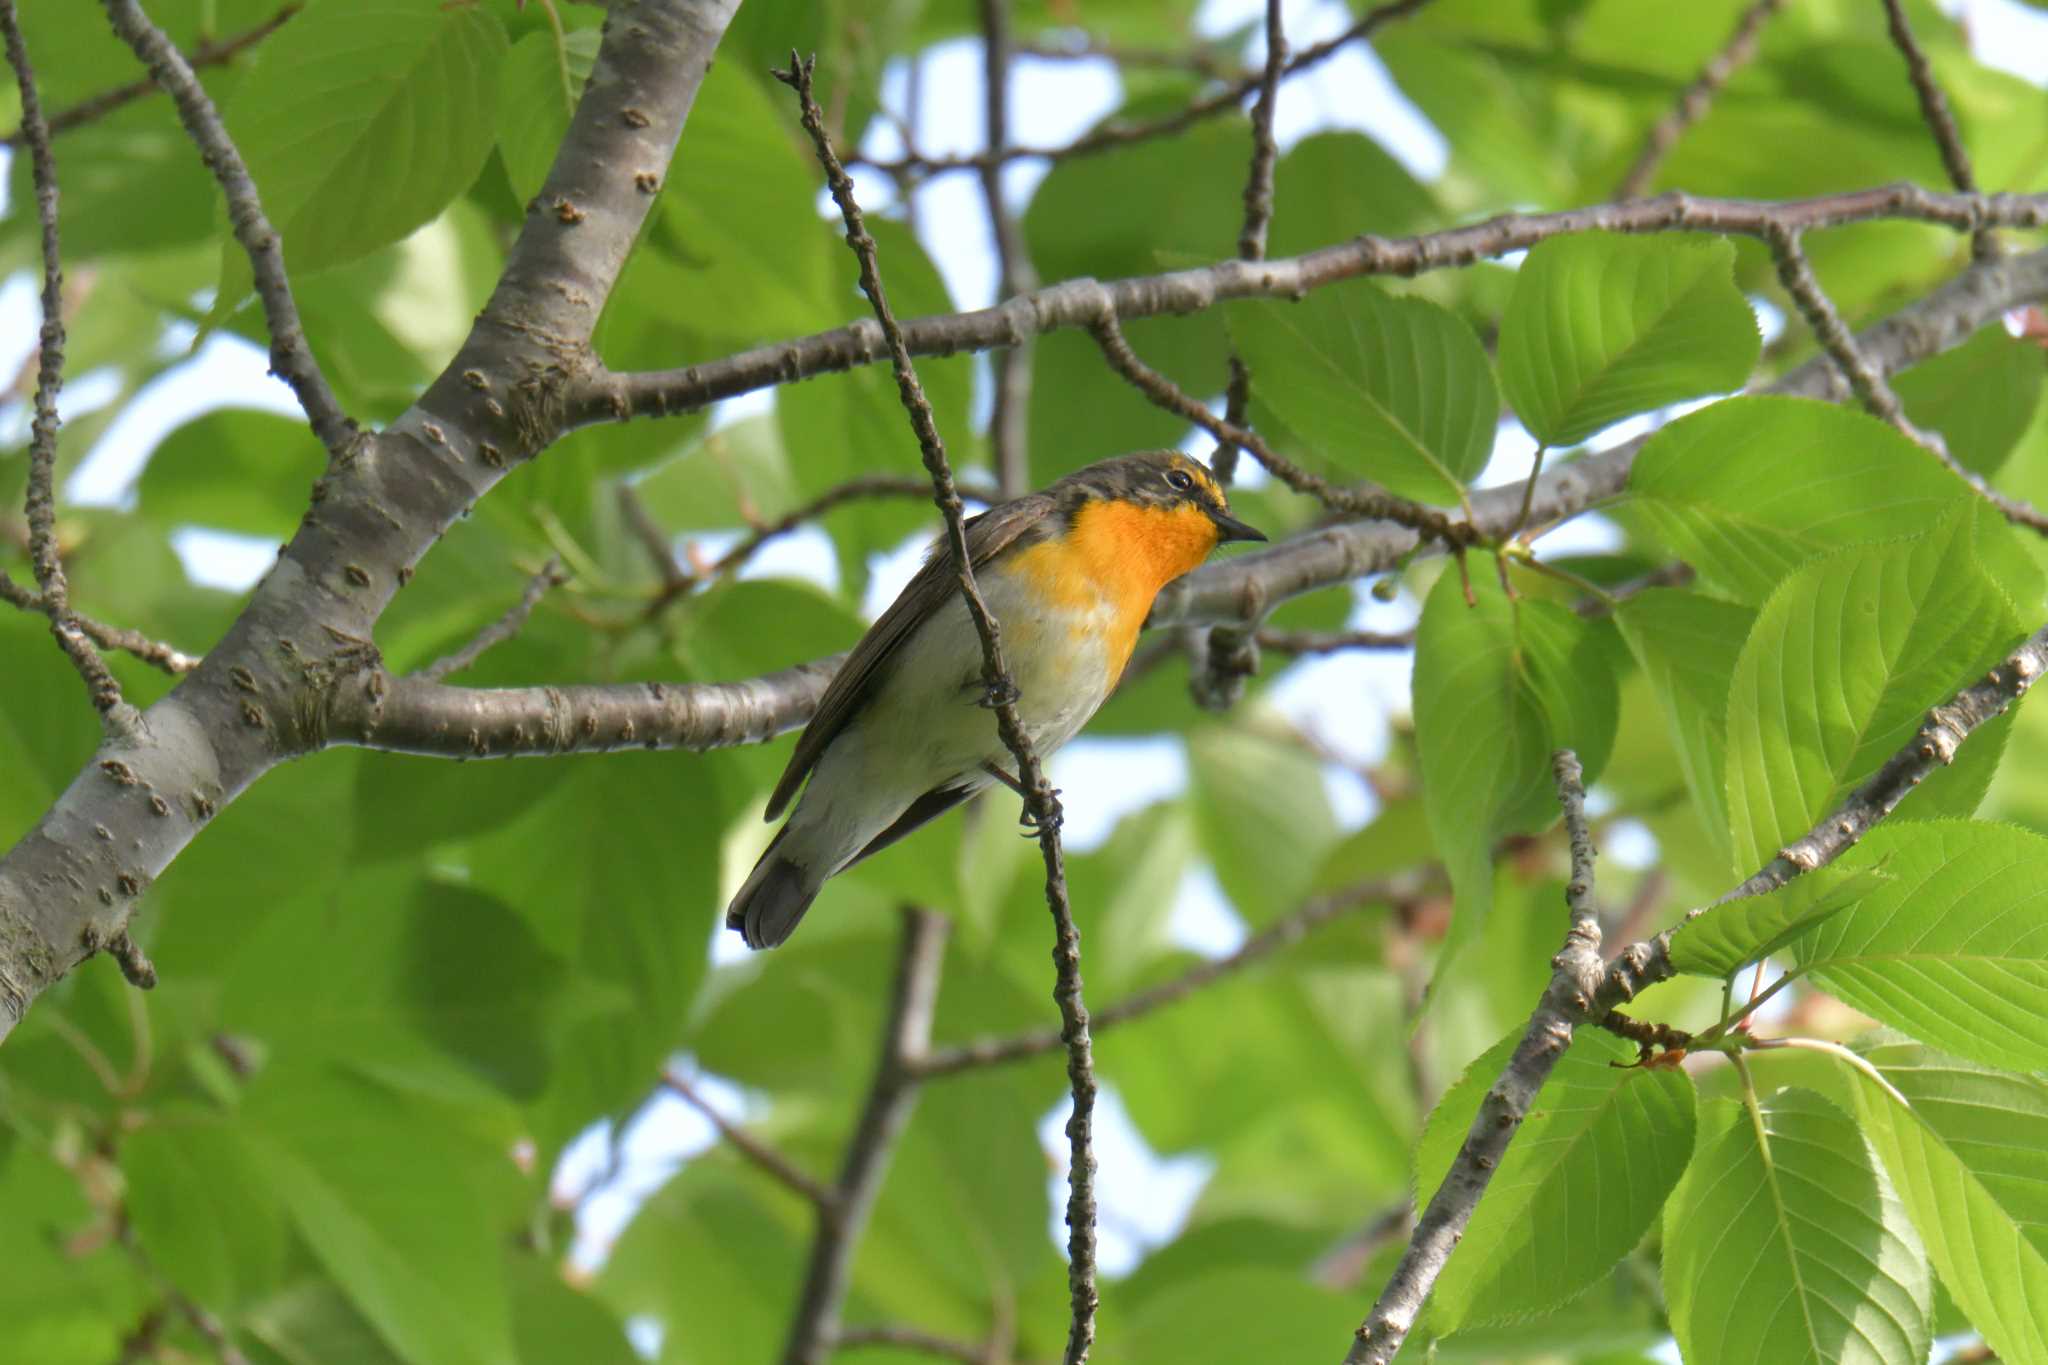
(1055, 816)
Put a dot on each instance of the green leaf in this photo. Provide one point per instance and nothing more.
(1784, 1244)
(1263, 818)
(554, 1322)
(210, 1222)
(1687, 644)
(313, 1323)
(1393, 389)
(1582, 1182)
(1498, 687)
(1845, 659)
(537, 96)
(1601, 327)
(234, 468)
(715, 1257)
(395, 1205)
(1968, 1160)
(1953, 948)
(1980, 396)
(1335, 185)
(1726, 936)
(382, 93)
(1747, 489)
(1204, 1321)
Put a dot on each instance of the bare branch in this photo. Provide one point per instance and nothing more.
(212, 52)
(1693, 103)
(502, 629)
(598, 395)
(1869, 382)
(1282, 933)
(1041, 804)
(869, 486)
(1566, 1003)
(291, 357)
(1009, 429)
(821, 1196)
(47, 561)
(1258, 185)
(1214, 63)
(904, 1338)
(1332, 641)
(1122, 135)
(890, 1098)
(1934, 109)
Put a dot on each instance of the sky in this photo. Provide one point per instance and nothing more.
(1346, 701)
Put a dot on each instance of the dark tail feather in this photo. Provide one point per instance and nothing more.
(772, 900)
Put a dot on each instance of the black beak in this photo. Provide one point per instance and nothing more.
(1232, 528)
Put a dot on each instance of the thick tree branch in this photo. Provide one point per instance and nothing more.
(291, 358)
(116, 716)
(263, 692)
(599, 395)
(374, 709)
(211, 52)
(1693, 103)
(1040, 803)
(1567, 1002)
(891, 1096)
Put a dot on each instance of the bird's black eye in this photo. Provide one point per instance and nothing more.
(1179, 478)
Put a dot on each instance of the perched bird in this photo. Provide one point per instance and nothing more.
(899, 737)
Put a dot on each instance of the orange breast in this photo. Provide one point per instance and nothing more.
(1116, 556)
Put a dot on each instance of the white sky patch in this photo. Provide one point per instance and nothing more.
(1101, 781)
(654, 1144)
(1629, 844)
(1202, 919)
(228, 371)
(2006, 35)
(221, 559)
(726, 411)
(1142, 1199)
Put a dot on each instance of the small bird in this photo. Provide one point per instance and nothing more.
(900, 736)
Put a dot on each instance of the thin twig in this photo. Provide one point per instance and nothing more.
(1693, 102)
(1332, 641)
(1258, 185)
(117, 717)
(1567, 1002)
(502, 629)
(1124, 134)
(1932, 748)
(752, 1148)
(641, 525)
(1868, 381)
(291, 358)
(155, 653)
(905, 1338)
(1009, 425)
(893, 1093)
(1040, 802)
(1282, 933)
(744, 549)
(211, 52)
(1213, 63)
(1940, 122)
(1356, 502)
(200, 1320)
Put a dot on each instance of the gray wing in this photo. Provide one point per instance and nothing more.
(988, 535)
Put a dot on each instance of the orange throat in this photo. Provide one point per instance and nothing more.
(1120, 554)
